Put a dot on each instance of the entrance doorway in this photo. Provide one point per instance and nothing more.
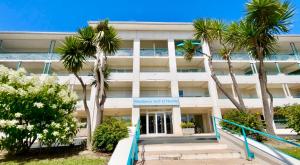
(156, 123)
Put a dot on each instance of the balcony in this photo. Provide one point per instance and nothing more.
(180, 53)
(154, 48)
(119, 89)
(155, 89)
(124, 52)
(154, 52)
(281, 57)
(234, 57)
(26, 56)
(193, 89)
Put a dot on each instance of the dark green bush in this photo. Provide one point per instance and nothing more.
(108, 134)
(246, 119)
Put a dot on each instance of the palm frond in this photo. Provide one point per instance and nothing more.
(86, 36)
(107, 38)
(71, 54)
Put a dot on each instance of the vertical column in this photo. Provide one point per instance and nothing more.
(176, 111)
(135, 113)
(212, 87)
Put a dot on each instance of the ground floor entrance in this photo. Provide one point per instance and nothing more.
(156, 122)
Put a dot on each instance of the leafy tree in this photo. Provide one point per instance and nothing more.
(257, 34)
(32, 108)
(292, 113)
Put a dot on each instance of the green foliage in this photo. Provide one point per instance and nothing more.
(31, 109)
(187, 125)
(108, 134)
(245, 119)
(292, 113)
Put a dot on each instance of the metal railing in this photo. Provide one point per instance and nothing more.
(133, 155)
(247, 134)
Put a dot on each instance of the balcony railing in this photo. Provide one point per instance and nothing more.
(124, 52)
(120, 70)
(181, 53)
(25, 56)
(281, 57)
(234, 56)
(154, 52)
(190, 70)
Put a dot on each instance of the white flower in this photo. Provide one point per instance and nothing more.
(8, 89)
(11, 122)
(20, 126)
(57, 125)
(29, 127)
(55, 133)
(53, 106)
(18, 115)
(45, 131)
(22, 92)
(2, 123)
(38, 104)
(67, 129)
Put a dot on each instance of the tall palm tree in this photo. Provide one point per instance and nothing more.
(209, 30)
(107, 43)
(73, 60)
(264, 20)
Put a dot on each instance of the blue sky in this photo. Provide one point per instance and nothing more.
(63, 15)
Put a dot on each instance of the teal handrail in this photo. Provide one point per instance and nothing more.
(134, 150)
(249, 154)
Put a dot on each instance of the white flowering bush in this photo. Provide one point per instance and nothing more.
(32, 108)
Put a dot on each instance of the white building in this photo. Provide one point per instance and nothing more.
(152, 81)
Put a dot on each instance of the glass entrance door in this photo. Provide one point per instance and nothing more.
(156, 123)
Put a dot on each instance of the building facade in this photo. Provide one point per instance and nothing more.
(151, 81)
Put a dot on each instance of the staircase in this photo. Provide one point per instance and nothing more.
(189, 154)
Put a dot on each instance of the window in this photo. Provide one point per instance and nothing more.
(180, 93)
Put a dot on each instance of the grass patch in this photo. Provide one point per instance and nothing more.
(67, 155)
(75, 160)
(295, 152)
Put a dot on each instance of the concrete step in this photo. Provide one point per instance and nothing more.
(182, 147)
(209, 138)
(198, 162)
(190, 155)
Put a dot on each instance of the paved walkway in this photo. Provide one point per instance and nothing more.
(199, 162)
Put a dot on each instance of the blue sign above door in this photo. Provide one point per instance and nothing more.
(155, 101)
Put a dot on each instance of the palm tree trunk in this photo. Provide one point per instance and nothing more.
(97, 96)
(268, 108)
(87, 111)
(215, 78)
(102, 105)
(235, 85)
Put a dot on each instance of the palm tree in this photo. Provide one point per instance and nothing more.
(73, 60)
(107, 43)
(264, 19)
(209, 30)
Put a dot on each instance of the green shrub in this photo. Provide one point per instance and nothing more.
(187, 125)
(246, 119)
(292, 114)
(108, 134)
(31, 109)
